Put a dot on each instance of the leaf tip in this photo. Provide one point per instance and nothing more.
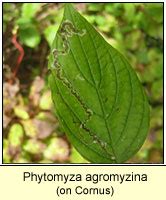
(68, 6)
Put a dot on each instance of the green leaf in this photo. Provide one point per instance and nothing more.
(49, 33)
(20, 112)
(45, 101)
(95, 7)
(29, 9)
(16, 134)
(6, 155)
(129, 11)
(98, 97)
(155, 10)
(29, 127)
(33, 146)
(30, 36)
(157, 90)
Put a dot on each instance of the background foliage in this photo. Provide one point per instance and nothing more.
(31, 130)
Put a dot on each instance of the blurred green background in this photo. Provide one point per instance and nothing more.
(31, 133)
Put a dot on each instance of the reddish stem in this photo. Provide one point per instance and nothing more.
(21, 55)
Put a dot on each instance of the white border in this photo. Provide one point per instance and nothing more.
(157, 1)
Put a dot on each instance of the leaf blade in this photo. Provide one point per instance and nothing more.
(101, 117)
